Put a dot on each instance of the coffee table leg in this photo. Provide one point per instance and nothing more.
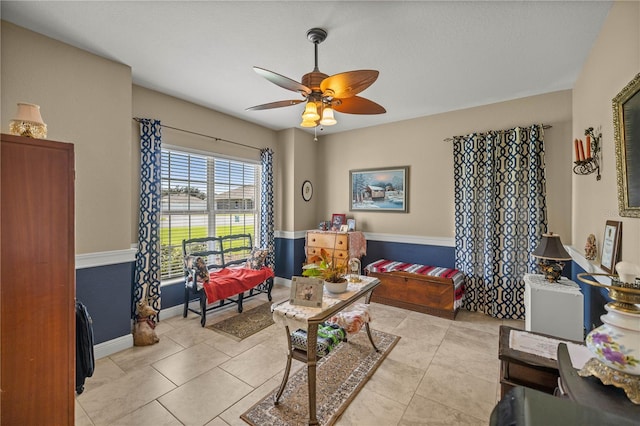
(367, 300)
(312, 339)
(287, 369)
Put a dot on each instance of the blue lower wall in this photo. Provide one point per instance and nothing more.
(411, 253)
(106, 292)
(594, 299)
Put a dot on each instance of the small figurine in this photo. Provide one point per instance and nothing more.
(590, 249)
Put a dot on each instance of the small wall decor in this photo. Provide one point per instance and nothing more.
(307, 190)
(588, 154)
(611, 245)
(380, 190)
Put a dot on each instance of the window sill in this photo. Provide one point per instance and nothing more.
(171, 281)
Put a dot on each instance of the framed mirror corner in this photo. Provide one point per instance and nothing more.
(626, 124)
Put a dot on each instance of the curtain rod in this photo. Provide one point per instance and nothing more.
(217, 139)
(544, 126)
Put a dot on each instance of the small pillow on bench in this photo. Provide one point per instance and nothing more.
(202, 272)
(257, 258)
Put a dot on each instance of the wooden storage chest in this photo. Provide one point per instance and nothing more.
(435, 295)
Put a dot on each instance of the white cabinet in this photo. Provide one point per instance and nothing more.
(553, 308)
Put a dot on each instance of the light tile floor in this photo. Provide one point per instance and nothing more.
(441, 372)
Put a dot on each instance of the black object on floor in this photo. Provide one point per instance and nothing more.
(85, 362)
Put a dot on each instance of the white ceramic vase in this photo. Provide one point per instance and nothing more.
(616, 343)
(336, 288)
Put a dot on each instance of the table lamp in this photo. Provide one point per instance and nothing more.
(551, 253)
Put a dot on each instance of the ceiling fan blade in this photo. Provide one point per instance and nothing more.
(358, 105)
(282, 81)
(277, 104)
(350, 83)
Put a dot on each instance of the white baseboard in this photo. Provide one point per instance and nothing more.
(173, 311)
(105, 349)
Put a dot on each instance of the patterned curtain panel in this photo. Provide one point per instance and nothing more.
(147, 271)
(500, 215)
(266, 206)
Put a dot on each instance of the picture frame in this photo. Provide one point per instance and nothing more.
(344, 228)
(337, 220)
(626, 124)
(383, 189)
(306, 291)
(351, 225)
(611, 244)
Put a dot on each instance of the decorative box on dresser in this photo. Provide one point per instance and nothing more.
(341, 246)
(37, 285)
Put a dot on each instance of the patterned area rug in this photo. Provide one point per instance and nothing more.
(340, 376)
(243, 325)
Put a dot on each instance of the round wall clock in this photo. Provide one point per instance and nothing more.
(307, 190)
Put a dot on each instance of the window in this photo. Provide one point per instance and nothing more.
(204, 196)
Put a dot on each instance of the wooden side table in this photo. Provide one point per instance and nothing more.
(524, 369)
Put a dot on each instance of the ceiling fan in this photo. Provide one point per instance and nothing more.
(322, 93)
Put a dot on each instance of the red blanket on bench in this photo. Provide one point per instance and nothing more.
(228, 282)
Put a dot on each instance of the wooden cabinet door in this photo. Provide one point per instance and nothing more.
(37, 286)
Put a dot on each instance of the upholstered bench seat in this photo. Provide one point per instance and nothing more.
(422, 288)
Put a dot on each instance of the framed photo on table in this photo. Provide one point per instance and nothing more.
(611, 244)
(306, 291)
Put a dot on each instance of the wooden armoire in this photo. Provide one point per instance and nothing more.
(37, 285)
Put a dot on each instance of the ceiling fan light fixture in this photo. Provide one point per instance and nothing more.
(310, 112)
(327, 117)
(308, 123)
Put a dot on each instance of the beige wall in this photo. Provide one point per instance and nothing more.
(89, 100)
(613, 61)
(86, 100)
(419, 143)
(185, 115)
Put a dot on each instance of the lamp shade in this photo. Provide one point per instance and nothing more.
(551, 248)
(327, 117)
(29, 112)
(28, 122)
(310, 112)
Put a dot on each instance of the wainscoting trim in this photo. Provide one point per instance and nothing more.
(587, 265)
(411, 239)
(103, 258)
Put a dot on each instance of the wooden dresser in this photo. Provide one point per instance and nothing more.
(37, 285)
(342, 246)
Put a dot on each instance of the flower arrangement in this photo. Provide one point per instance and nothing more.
(326, 268)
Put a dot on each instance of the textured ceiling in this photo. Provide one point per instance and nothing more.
(432, 56)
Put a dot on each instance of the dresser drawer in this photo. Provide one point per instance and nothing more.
(339, 256)
(328, 241)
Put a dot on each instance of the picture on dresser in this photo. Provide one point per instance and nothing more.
(351, 225)
(382, 189)
(337, 220)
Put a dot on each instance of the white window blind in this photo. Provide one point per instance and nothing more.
(204, 196)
